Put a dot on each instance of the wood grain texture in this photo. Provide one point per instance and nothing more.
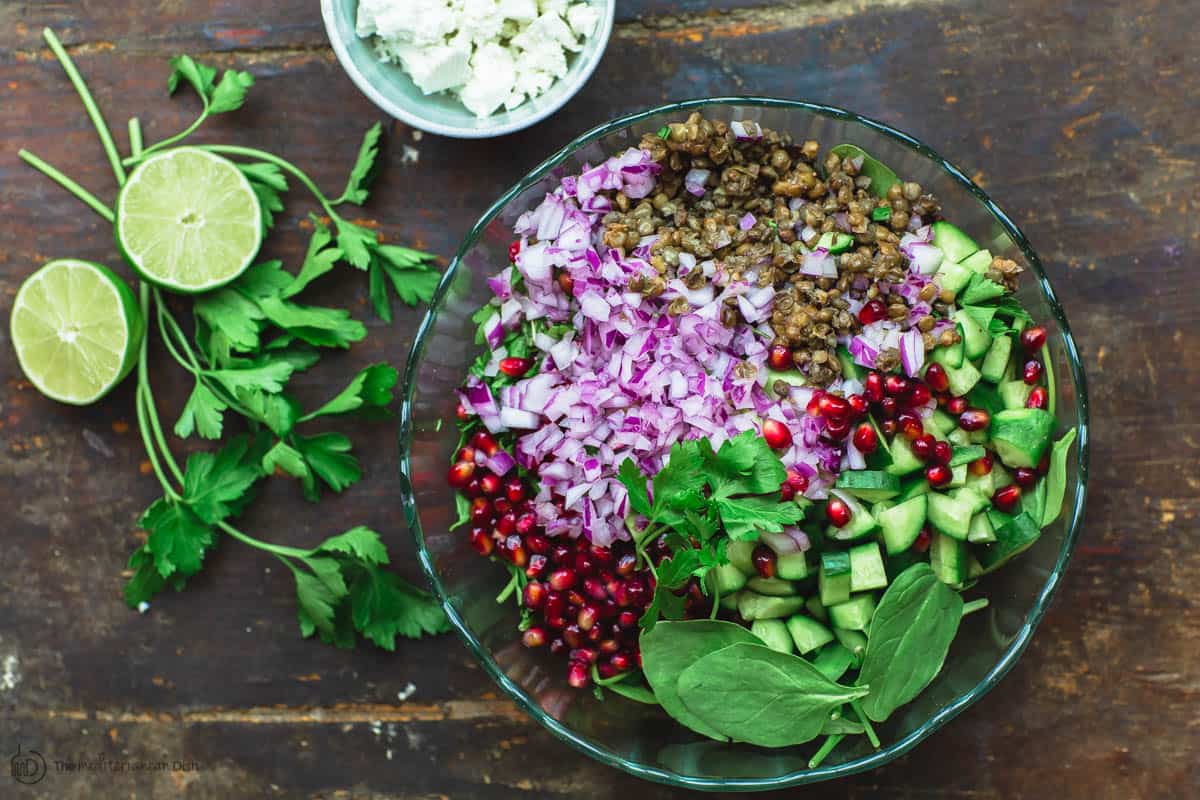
(1079, 117)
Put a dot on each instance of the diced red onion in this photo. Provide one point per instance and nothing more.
(747, 221)
(912, 352)
(501, 463)
(819, 263)
(924, 259)
(746, 131)
(516, 418)
(694, 181)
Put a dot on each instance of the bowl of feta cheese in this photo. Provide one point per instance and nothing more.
(469, 68)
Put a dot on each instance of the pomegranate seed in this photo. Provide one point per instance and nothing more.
(786, 492)
(595, 589)
(1025, 477)
(1007, 497)
(482, 440)
(626, 565)
(566, 282)
(865, 438)
(872, 311)
(635, 591)
(584, 563)
(838, 513)
(574, 598)
(1033, 338)
(837, 429)
(814, 403)
(489, 484)
(573, 636)
(460, 474)
(577, 676)
(918, 395)
(533, 637)
(481, 511)
(537, 565)
(507, 524)
(621, 662)
(587, 617)
(896, 386)
(923, 448)
(938, 475)
(798, 482)
(534, 595)
(562, 579)
(627, 619)
(608, 610)
(888, 407)
(608, 647)
(559, 553)
(514, 548)
(942, 399)
(888, 426)
(779, 357)
(515, 491)
(974, 419)
(764, 559)
(858, 405)
(513, 249)
(980, 466)
(1043, 465)
(776, 434)
(1038, 398)
(936, 377)
(525, 525)
(557, 645)
(873, 387)
(910, 425)
(833, 407)
(466, 454)
(460, 411)
(482, 542)
(923, 539)
(584, 655)
(502, 505)
(942, 452)
(1032, 372)
(472, 489)
(515, 367)
(956, 405)
(600, 555)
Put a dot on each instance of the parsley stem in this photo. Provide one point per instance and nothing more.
(249, 152)
(170, 140)
(620, 676)
(144, 406)
(71, 186)
(831, 741)
(106, 140)
(277, 549)
(866, 723)
(135, 137)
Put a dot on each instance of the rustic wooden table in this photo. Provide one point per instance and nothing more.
(1079, 116)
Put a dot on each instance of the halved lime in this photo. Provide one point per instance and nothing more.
(76, 328)
(188, 220)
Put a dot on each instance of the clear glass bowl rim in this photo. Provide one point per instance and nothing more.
(946, 713)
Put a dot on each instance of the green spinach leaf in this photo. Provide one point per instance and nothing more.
(881, 175)
(1056, 478)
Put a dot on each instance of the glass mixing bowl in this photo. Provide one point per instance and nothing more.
(641, 739)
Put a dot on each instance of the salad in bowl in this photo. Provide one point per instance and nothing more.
(746, 430)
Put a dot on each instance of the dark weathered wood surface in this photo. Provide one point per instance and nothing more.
(1079, 116)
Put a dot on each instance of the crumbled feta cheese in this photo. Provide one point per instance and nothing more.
(490, 53)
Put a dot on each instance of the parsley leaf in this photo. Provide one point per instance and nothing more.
(409, 274)
(177, 539)
(364, 170)
(200, 77)
(203, 414)
(745, 517)
(328, 456)
(319, 259)
(218, 98)
(215, 485)
(745, 464)
(635, 486)
(269, 377)
(283, 456)
(268, 182)
(369, 393)
(230, 93)
(361, 542)
(356, 243)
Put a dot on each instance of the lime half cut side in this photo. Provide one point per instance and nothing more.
(188, 220)
(76, 328)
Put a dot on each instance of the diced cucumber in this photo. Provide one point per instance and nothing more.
(835, 242)
(950, 357)
(775, 587)
(943, 422)
(948, 557)
(963, 378)
(949, 516)
(834, 578)
(813, 606)
(1034, 502)
(861, 522)
(953, 277)
(958, 476)
(791, 377)
(979, 261)
(996, 360)
(741, 555)
(913, 488)
(974, 568)
(965, 454)
(901, 561)
(901, 525)
(832, 660)
(850, 367)
(866, 568)
(959, 438)
(984, 484)
(808, 634)
(987, 397)
(976, 339)
(1012, 539)
(880, 507)
(792, 567)
(730, 602)
(1021, 435)
(904, 460)
(1014, 394)
(981, 531)
(725, 579)
(774, 634)
(868, 484)
(854, 614)
(854, 641)
(955, 244)
(754, 606)
(978, 437)
(971, 498)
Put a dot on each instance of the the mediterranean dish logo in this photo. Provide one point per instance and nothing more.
(27, 766)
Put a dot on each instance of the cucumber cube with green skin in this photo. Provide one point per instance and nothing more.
(984, 484)
(943, 422)
(958, 476)
(741, 555)
(792, 567)
(832, 660)
(730, 602)
(996, 361)
(866, 568)
(981, 530)
(869, 485)
(790, 377)
(808, 634)
(775, 587)
(949, 558)
(901, 524)
(904, 460)
(913, 488)
(854, 641)
(949, 516)
(752, 605)
(965, 454)
(774, 634)
(954, 244)
(813, 606)
(979, 261)
(725, 579)
(854, 614)
(1014, 394)
(834, 578)
(861, 522)
(835, 242)
(1021, 435)
(948, 356)
(978, 437)
(971, 498)
(953, 277)
(959, 438)
(1012, 539)
(963, 378)
(976, 339)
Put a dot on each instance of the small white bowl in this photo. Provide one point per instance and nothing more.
(390, 88)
